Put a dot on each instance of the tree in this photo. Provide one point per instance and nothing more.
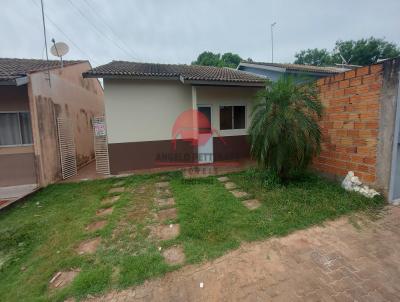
(317, 57)
(284, 132)
(208, 58)
(365, 51)
(229, 59)
(360, 52)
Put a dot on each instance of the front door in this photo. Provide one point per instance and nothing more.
(205, 146)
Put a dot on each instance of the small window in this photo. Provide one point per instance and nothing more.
(15, 129)
(232, 117)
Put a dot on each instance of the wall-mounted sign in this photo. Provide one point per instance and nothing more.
(99, 129)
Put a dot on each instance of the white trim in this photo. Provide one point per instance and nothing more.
(273, 68)
(211, 136)
(229, 105)
(21, 81)
(14, 146)
(21, 111)
(211, 111)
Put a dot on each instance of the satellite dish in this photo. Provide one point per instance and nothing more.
(59, 49)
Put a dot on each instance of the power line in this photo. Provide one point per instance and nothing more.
(45, 40)
(66, 36)
(97, 30)
(110, 28)
(44, 31)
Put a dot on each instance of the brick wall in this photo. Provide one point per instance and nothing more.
(350, 123)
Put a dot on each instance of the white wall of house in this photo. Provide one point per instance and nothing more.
(226, 96)
(139, 111)
(144, 110)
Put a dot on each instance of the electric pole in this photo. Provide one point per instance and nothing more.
(272, 41)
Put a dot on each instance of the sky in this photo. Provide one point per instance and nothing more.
(177, 31)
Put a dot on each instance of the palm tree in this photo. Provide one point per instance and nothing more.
(284, 130)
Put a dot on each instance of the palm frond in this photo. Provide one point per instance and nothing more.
(284, 132)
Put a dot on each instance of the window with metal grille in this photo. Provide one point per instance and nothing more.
(15, 129)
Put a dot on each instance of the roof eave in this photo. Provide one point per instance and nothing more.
(175, 78)
(127, 77)
(253, 65)
(15, 82)
(311, 73)
(289, 69)
(223, 83)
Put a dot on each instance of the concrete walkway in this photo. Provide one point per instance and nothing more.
(358, 261)
(9, 195)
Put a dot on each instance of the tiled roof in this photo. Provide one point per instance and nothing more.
(11, 69)
(190, 73)
(303, 68)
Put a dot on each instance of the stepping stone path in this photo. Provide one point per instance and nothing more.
(104, 212)
(165, 232)
(164, 193)
(116, 190)
(119, 183)
(167, 214)
(174, 255)
(62, 279)
(223, 179)
(88, 246)
(141, 190)
(165, 202)
(239, 194)
(230, 185)
(251, 204)
(110, 200)
(163, 184)
(97, 225)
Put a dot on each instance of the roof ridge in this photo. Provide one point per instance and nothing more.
(13, 68)
(42, 60)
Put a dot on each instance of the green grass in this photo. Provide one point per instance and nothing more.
(38, 237)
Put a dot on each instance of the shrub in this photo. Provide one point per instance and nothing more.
(284, 133)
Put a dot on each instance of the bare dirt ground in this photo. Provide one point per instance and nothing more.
(350, 259)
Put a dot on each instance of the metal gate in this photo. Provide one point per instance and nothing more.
(67, 148)
(101, 145)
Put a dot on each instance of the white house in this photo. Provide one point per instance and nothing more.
(149, 113)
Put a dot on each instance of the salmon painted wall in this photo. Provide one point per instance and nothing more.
(69, 96)
(17, 163)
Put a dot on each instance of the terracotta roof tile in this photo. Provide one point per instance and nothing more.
(183, 72)
(11, 69)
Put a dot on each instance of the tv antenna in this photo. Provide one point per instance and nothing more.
(344, 61)
(59, 49)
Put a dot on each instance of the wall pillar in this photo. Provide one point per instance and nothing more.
(194, 108)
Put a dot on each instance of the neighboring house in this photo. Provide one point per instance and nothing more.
(148, 109)
(360, 126)
(33, 95)
(274, 71)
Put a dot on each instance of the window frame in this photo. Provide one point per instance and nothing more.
(19, 128)
(233, 118)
